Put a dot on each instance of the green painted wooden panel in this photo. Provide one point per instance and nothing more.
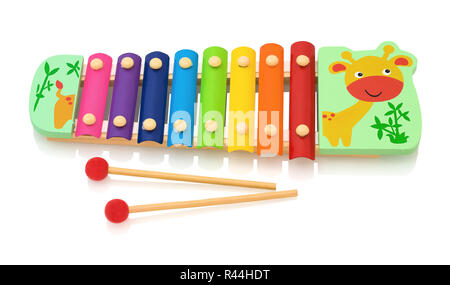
(213, 98)
(53, 95)
(367, 101)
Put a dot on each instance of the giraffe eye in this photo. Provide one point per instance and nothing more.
(358, 74)
(386, 71)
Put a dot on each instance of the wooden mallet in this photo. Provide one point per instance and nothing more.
(97, 168)
(117, 211)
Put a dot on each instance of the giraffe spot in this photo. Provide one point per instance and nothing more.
(333, 114)
(68, 99)
(329, 119)
(324, 116)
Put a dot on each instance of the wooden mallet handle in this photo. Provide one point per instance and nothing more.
(116, 211)
(191, 178)
(213, 201)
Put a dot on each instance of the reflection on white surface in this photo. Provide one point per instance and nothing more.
(162, 216)
(235, 163)
(383, 165)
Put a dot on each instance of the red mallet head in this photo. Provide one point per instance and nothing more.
(116, 211)
(97, 168)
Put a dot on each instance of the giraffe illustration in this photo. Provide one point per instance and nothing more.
(369, 79)
(63, 107)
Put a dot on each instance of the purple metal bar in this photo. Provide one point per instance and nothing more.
(123, 102)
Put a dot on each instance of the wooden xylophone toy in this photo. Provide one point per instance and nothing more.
(366, 101)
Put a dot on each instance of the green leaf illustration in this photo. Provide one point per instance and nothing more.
(45, 85)
(380, 134)
(46, 68)
(377, 120)
(73, 68)
(392, 128)
(405, 116)
(53, 71)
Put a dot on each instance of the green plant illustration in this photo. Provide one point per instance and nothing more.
(392, 128)
(73, 68)
(45, 85)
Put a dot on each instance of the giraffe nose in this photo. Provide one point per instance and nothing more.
(375, 88)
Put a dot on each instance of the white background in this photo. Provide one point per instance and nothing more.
(392, 210)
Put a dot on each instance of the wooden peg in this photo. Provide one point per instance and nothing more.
(96, 64)
(149, 124)
(211, 126)
(185, 62)
(302, 60)
(270, 130)
(119, 121)
(272, 60)
(155, 63)
(214, 61)
(243, 61)
(127, 62)
(302, 130)
(180, 125)
(89, 119)
(241, 128)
